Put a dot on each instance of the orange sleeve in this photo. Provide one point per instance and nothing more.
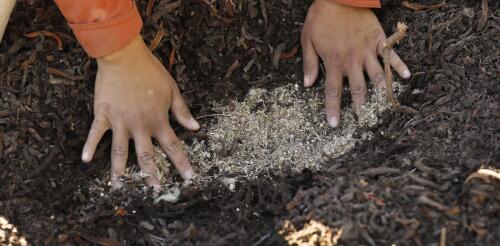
(102, 26)
(360, 3)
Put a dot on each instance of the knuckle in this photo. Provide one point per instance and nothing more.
(379, 77)
(173, 146)
(333, 92)
(357, 89)
(119, 151)
(146, 157)
(335, 59)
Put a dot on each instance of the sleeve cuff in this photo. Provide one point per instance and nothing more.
(360, 3)
(103, 38)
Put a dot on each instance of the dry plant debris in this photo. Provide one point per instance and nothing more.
(281, 131)
(484, 174)
(47, 34)
(421, 7)
(158, 37)
(389, 77)
(484, 15)
(313, 233)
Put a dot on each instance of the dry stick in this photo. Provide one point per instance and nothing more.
(484, 15)
(483, 174)
(47, 34)
(389, 78)
(442, 241)
(157, 39)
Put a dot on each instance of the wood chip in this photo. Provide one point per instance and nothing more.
(57, 72)
(484, 15)
(146, 225)
(157, 39)
(149, 7)
(484, 174)
(377, 171)
(231, 69)
(171, 59)
(442, 241)
(47, 34)
(421, 7)
(429, 202)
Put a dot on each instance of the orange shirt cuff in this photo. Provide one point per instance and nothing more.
(360, 3)
(104, 37)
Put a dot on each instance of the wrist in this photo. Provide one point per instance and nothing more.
(129, 52)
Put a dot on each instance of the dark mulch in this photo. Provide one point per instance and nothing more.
(403, 187)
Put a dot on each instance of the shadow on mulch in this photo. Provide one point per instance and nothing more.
(403, 187)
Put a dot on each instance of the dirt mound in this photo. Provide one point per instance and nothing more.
(280, 131)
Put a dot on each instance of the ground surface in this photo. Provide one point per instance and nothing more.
(406, 186)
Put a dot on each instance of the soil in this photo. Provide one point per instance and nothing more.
(423, 179)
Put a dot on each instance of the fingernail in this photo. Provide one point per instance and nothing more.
(406, 74)
(86, 157)
(307, 80)
(333, 121)
(188, 174)
(194, 124)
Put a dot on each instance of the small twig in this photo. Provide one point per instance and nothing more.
(171, 59)
(149, 7)
(429, 202)
(157, 39)
(484, 15)
(377, 171)
(484, 174)
(422, 181)
(47, 34)
(442, 241)
(210, 115)
(262, 239)
(231, 69)
(57, 72)
(386, 53)
(317, 135)
(421, 7)
(264, 13)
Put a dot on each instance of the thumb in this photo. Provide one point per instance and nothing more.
(310, 60)
(181, 112)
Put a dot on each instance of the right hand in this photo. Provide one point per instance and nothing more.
(348, 40)
(133, 94)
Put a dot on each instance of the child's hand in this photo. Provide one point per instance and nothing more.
(348, 40)
(133, 94)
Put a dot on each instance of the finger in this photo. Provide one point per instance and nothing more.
(181, 112)
(333, 94)
(310, 60)
(173, 147)
(99, 126)
(357, 86)
(375, 72)
(145, 157)
(399, 65)
(119, 155)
